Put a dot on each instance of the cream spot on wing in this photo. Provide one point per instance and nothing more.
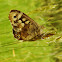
(14, 19)
(27, 22)
(20, 29)
(19, 15)
(12, 22)
(22, 24)
(23, 19)
(19, 21)
(15, 24)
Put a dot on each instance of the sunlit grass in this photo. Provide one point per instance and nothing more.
(28, 51)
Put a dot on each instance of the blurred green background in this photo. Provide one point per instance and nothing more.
(45, 12)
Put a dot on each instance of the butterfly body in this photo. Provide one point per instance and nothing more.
(24, 28)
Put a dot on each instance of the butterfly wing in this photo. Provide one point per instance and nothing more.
(23, 26)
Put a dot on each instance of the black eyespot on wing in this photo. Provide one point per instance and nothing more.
(18, 37)
(14, 16)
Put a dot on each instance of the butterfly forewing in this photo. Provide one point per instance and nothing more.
(24, 28)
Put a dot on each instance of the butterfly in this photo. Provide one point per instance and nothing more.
(24, 28)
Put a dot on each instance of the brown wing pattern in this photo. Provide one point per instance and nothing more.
(24, 28)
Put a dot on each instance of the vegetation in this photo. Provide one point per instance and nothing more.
(47, 13)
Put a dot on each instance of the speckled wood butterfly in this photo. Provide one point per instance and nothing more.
(24, 28)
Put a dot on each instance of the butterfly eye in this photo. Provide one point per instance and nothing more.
(14, 16)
